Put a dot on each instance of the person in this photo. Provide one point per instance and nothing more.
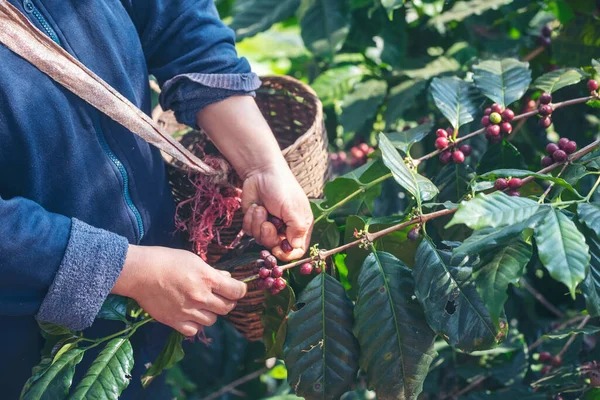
(85, 206)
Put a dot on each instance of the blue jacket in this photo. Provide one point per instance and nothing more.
(75, 187)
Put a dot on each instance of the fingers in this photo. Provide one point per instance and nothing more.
(187, 328)
(293, 255)
(220, 305)
(259, 216)
(268, 235)
(247, 223)
(229, 288)
(299, 222)
(202, 317)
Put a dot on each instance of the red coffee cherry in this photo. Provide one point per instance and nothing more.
(559, 156)
(545, 109)
(493, 130)
(556, 361)
(501, 184)
(485, 121)
(413, 234)
(562, 142)
(547, 161)
(280, 283)
(286, 246)
(441, 143)
(445, 157)
(264, 273)
(363, 147)
(514, 193)
(264, 254)
(270, 262)
(506, 127)
(496, 108)
(458, 156)
(551, 148)
(487, 111)
(508, 115)
(544, 356)
(466, 149)
(278, 222)
(441, 133)
(318, 270)
(274, 291)
(592, 85)
(545, 98)
(277, 272)
(515, 183)
(545, 122)
(570, 147)
(269, 282)
(306, 269)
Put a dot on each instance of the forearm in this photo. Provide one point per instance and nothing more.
(240, 132)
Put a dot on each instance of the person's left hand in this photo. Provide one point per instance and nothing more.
(274, 190)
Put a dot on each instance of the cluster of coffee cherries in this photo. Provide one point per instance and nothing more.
(558, 152)
(545, 38)
(307, 269)
(286, 247)
(545, 110)
(496, 122)
(547, 358)
(450, 152)
(511, 185)
(270, 274)
(358, 156)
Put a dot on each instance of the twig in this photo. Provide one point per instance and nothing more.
(541, 200)
(539, 297)
(536, 52)
(583, 323)
(237, 382)
(541, 340)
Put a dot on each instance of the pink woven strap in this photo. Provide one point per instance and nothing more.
(21, 37)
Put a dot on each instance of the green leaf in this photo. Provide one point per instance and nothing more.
(464, 9)
(320, 351)
(494, 210)
(420, 187)
(562, 249)
(555, 80)
(405, 139)
(114, 308)
(171, 354)
(501, 155)
(567, 332)
(439, 66)
(590, 287)
(52, 382)
(335, 83)
(253, 16)
(108, 375)
(53, 329)
(520, 173)
(458, 100)
(453, 308)
(401, 98)
(325, 25)
(361, 105)
(589, 214)
(578, 41)
(500, 269)
(503, 82)
(391, 5)
(396, 342)
(453, 182)
(274, 320)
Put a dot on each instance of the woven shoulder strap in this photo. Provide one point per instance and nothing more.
(21, 37)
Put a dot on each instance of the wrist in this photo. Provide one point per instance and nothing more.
(128, 282)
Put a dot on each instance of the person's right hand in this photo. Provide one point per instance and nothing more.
(177, 288)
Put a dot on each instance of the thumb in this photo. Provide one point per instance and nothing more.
(299, 225)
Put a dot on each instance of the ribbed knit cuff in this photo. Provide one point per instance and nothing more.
(187, 94)
(90, 267)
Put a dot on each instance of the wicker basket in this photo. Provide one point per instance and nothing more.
(295, 115)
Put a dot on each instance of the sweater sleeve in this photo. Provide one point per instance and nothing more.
(59, 269)
(192, 54)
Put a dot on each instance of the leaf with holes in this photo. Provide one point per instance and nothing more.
(401, 98)
(320, 351)
(171, 354)
(360, 106)
(589, 214)
(253, 16)
(274, 320)
(52, 381)
(335, 83)
(494, 210)
(325, 25)
(555, 80)
(453, 308)
(562, 249)
(590, 287)
(499, 269)
(405, 139)
(419, 186)
(108, 375)
(396, 342)
(458, 100)
(503, 82)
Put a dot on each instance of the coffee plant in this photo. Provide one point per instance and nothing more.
(456, 252)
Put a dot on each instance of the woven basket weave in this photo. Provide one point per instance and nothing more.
(295, 115)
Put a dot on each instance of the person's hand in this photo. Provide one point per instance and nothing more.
(274, 190)
(177, 288)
